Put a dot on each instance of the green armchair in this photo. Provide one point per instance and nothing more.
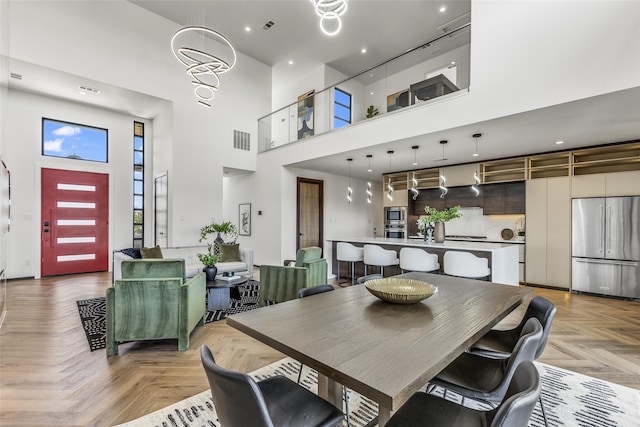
(282, 283)
(153, 301)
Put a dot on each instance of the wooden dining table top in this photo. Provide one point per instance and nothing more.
(383, 351)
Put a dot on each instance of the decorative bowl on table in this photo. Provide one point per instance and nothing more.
(400, 291)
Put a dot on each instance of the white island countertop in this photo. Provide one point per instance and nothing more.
(447, 244)
(503, 257)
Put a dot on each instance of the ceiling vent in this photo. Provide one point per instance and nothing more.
(16, 76)
(89, 89)
(268, 25)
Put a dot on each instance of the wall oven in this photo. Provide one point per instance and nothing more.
(395, 223)
(395, 214)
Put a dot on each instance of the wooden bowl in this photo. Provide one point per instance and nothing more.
(400, 291)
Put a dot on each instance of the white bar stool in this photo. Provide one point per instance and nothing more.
(379, 257)
(349, 253)
(465, 264)
(415, 259)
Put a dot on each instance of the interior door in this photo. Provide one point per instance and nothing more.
(75, 222)
(161, 210)
(310, 206)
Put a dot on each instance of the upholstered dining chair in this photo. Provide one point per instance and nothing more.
(378, 256)
(365, 279)
(276, 401)
(350, 253)
(307, 292)
(499, 344)
(416, 259)
(465, 264)
(279, 283)
(515, 410)
(485, 379)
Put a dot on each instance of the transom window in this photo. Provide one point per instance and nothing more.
(74, 141)
(341, 108)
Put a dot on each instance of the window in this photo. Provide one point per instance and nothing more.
(138, 184)
(74, 141)
(341, 108)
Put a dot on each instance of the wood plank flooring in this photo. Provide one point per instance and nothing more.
(49, 377)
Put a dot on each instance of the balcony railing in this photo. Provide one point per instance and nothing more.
(419, 75)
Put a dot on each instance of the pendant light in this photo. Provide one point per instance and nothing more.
(369, 192)
(443, 180)
(349, 189)
(476, 175)
(414, 181)
(389, 186)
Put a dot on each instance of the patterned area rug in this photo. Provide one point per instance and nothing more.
(94, 318)
(570, 399)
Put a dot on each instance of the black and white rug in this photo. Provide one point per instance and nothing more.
(93, 313)
(570, 399)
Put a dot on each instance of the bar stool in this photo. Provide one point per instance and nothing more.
(350, 253)
(465, 264)
(415, 259)
(379, 257)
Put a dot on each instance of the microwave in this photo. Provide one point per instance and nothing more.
(395, 214)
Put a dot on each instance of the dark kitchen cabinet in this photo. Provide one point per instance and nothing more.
(463, 197)
(504, 198)
(428, 197)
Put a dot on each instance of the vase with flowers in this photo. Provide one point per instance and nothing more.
(437, 218)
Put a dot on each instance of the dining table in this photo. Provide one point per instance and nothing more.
(384, 351)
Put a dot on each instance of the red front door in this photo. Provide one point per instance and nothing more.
(75, 222)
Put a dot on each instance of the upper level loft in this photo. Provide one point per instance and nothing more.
(438, 68)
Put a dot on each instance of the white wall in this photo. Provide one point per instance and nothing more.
(24, 150)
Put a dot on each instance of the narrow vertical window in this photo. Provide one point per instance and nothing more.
(138, 184)
(341, 108)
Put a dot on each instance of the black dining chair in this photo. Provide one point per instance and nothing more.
(499, 344)
(486, 379)
(276, 401)
(424, 409)
(307, 292)
(365, 279)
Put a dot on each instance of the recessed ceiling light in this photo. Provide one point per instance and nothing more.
(559, 142)
(290, 62)
(247, 29)
(443, 9)
(370, 93)
(364, 50)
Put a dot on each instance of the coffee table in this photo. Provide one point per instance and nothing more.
(219, 292)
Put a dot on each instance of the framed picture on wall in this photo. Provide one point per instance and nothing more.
(244, 219)
(305, 114)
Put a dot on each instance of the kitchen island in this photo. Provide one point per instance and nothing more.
(503, 258)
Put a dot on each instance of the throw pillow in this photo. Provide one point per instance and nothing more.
(132, 252)
(230, 253)
(154, 252)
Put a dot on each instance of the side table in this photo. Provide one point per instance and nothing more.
(219, 292)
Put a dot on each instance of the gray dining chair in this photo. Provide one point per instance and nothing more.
(365, 279)
(485, 379)
(276, 401)
(423, 409)
(499, 344)
(307, 292)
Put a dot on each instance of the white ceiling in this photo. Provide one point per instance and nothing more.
(385, 29)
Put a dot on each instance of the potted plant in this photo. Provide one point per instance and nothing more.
(438, 218)
(371, 111)
(520, 229)
(210, 258)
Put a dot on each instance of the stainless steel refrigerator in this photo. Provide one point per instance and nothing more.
(606, 246)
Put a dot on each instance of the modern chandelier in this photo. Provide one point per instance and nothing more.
(476, 177)
(369, 192)
(349, 188)
(329, 11)
(414, 181)
(203, 67)
(443, 180)
(389, 186)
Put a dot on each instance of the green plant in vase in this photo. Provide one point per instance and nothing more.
(438, 218)
(371, 111)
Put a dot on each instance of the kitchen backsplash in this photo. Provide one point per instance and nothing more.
(474, 223)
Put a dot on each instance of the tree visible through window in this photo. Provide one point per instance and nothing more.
(341, 108)
(74, 141)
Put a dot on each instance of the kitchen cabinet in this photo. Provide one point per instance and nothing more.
(548, 244)
(504, 198)
(606, 184)
(462, 196)
(429, 197)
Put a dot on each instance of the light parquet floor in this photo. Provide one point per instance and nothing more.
(48, 376)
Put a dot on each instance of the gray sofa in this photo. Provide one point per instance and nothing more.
(192, 264)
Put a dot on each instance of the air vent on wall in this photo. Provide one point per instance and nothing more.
(241, 140)
(16, 76)
(268, 25)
